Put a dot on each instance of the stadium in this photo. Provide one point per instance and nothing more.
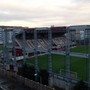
(60, 50)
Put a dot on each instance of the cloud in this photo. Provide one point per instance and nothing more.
(44, 13)
(82, 1)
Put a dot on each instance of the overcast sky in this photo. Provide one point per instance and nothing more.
(34, 13)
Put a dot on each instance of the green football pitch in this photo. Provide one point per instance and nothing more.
(81, 49)
(78, 65)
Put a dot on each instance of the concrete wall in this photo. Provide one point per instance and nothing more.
(60, 83)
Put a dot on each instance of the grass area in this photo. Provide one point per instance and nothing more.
(78, 65)
(81, 49)
(58, 62)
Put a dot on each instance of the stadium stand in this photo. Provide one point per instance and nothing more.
(58, 38)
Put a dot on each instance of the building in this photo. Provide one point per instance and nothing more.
(80, 31)
(9, 33)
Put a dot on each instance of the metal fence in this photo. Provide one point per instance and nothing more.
(27, 82)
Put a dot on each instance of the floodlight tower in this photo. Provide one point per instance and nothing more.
(68, 59)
